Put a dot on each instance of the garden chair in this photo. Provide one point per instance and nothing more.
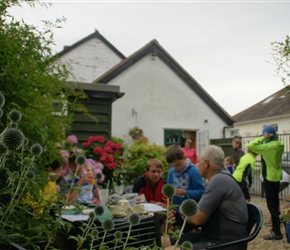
(255, 223)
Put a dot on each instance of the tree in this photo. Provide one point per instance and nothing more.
(281, 56)
(32, 80)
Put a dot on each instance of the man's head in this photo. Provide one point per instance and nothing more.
(211, 160)
(175, 157)
(236, 143)
(154, 170)
(268, 132)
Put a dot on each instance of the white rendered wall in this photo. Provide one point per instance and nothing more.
(90, 60)
(161, 101)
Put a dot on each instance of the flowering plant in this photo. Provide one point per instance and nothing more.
(109, 153)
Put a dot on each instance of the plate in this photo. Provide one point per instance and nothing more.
(87, 211)
(69, 207)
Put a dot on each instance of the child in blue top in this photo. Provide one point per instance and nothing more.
(229, 163)
(183, 175)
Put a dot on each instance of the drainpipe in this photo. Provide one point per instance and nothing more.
(224, 131)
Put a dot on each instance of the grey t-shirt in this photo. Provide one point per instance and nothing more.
(224, 201)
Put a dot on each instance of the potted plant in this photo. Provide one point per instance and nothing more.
(285, 217)
(135, 133)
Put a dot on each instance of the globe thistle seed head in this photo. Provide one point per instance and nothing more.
(99, 210)
(95, 233)
(80, 160)
(13, 125)
(134, 219)
(118, 235)
(2, 149)
(1, 112)
(2, 99)
(108, 225)
(188, 207)
(15, 115)
(168, 190)
(99, 176)
(92, 215)
(30, 175)
(12, 138)
(26, 141)
(186, 245)
(36, 149)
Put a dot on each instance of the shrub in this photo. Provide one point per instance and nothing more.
(136, 157)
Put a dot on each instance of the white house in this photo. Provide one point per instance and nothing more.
(160, 97)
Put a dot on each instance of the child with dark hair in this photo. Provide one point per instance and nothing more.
(238, 152)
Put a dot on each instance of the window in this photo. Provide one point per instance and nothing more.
(172, 137)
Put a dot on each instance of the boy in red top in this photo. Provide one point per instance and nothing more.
(150, 184)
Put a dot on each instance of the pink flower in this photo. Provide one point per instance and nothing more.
(64, 153)
(98, 150)
(58, 145)
(72, 139)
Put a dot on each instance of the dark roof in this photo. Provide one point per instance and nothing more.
(96, 34)
(155, 48)
(275, 105)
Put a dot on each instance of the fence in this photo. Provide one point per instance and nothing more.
(256, 188)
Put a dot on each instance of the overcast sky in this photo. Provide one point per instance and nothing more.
(224, 45)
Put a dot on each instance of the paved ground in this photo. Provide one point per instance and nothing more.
(259, 243)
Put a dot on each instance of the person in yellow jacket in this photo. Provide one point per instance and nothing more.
(243, 172)
(271, 150)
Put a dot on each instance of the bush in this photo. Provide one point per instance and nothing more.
(136, 157)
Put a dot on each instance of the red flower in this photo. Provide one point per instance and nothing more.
(98, 150)
(99, 139)
(118, 146)
(110, 158)
(86, 144)
(112, 165)
(103, 157)
(108, 149)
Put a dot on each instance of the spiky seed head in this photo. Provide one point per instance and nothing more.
(92, 215)
(99, 176)
(108, 225)
(80, 160)
(2, 99)
(36, 149)
(118, 235)
(15, 115)
(186, 245)
(134, 219)
(12, 138)
(99, 210)
(168, 190)
(95, 233)
(2, 149)
(13, 125)
(30, 175)
(188, 207)
(1, 112)
(26, 141)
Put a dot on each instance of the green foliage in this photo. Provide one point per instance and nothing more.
(281, 56)
(136, 157)
(32, 80)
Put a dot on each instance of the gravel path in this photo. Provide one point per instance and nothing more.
(259, 243)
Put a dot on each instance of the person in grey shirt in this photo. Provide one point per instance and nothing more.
(222, 211)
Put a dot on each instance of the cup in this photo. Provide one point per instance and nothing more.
(115, 210)
(103, 196)
(123, 204)
(138, 209)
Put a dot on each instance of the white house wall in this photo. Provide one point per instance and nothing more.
(254, 128)
(156, 99)
(89, 60)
